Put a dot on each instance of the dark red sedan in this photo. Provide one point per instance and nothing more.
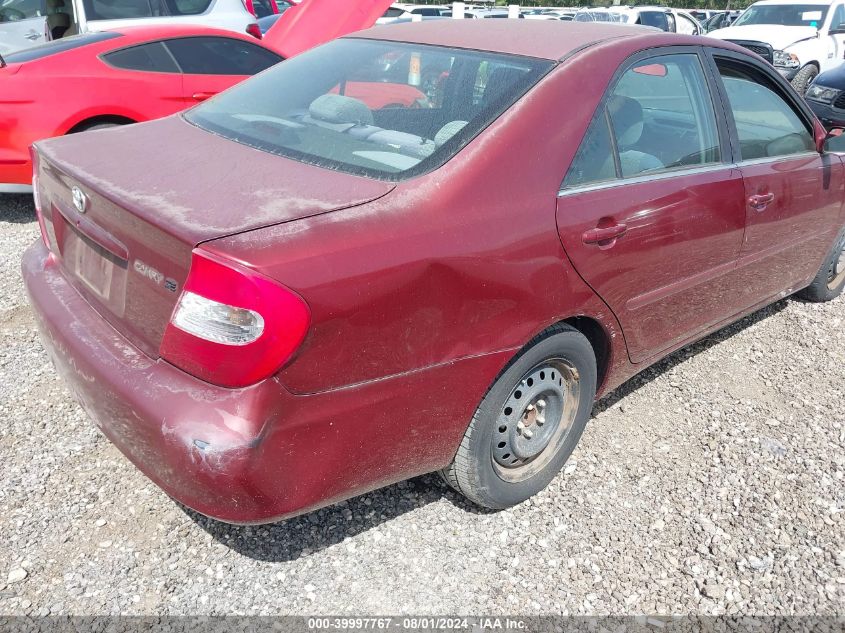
(283, 298)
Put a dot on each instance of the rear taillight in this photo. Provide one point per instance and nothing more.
(254, 30)
(36, 197)
(233, 326)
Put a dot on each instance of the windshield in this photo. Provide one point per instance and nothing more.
(381, 109)
(784, 15)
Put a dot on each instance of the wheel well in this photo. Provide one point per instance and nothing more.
(599, 341)
(97, 120)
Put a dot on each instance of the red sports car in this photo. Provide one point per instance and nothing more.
(283, 297)
(110, 78)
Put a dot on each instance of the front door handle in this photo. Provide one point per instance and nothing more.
(202, 96)
(32, 35)
(604, 234)
(760, 201)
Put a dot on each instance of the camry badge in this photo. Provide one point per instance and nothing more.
(80, 200)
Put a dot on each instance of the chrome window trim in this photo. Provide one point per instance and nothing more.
(648, 177)
(776, 159)
(663, 175)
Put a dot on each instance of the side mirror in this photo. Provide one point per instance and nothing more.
(834, 141)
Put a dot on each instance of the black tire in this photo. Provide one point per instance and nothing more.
(803, 78)
(483, 470)
(830, 280)
(96, 126)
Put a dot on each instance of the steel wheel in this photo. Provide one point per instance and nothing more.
(837, 270)
(535, 420)
(529, 421)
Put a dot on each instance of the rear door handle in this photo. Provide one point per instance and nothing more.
(760, 201)
(202, 96)
(32, 35)
(606, 234)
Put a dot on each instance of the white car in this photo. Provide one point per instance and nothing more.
(662, 18)
(27, 23)
(801, 39)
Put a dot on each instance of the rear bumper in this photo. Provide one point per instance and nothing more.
(828, 115)
(256, 454)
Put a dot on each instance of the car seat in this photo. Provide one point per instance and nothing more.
(58, 22)
(626, 115)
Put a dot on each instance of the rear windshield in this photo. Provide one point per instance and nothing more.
(381, 109)
(58, 46)
(784, 15)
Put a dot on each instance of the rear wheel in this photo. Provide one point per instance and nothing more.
(95, 126)
(803, 78)
(830, 280)
(528, 423)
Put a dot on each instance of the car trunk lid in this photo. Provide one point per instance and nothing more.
(122, 216)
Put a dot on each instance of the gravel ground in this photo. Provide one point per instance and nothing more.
(714, 483)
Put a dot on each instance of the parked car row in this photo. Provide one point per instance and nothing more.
(427, 260)
(662, 18)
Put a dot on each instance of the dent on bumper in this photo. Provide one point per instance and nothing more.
(255, 454)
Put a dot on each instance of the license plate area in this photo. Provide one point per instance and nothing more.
(98, 272)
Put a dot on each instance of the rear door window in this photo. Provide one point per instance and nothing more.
(659, 116)
(122, 9)
(220, 56)
(152, 57)
(187, 7)
(129, 9)
(767, 124)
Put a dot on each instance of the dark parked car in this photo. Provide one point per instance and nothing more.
(283, 297)
(826, 96)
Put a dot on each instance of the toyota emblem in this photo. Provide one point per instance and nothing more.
(80, 200)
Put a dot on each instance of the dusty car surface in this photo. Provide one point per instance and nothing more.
(283, 298)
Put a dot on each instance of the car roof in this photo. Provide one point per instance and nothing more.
(546, 39)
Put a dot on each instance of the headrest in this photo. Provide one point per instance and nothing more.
(333, 108)
(627, 117)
